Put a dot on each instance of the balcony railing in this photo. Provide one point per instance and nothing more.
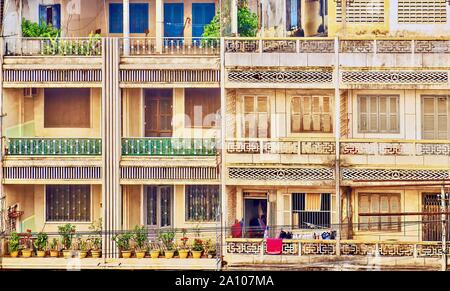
(54, 147)
(48, 46)
(290, 146)
(327, 45)
(367, 147)
(169, 147)
(177, 46)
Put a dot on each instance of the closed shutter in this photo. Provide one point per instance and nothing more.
(326, 115)
(395, 208)
(138, 17)
(364, 207)
(428, 130)
(42, 14)
(287, 210)
(56, 17)
(435, 121)
(263, 117)
(173, 19)
(249, 117)
(363, 114)
(115, 18)
(307, 114)
(202, 14)
(296, 122)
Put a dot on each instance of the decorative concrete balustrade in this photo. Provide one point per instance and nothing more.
(294, 247)
(168, 147)
(281, 146)
(54, 147)
(141, 46)
(53, 46)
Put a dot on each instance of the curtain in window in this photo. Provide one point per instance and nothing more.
(202, 202)
(68, 203)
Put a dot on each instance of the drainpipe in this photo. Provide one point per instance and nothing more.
(444, 230)
(126, 27)
(337, 131)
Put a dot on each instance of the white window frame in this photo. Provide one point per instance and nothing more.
(378, 131)
(158, 207)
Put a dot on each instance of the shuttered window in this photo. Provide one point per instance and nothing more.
(378, 114)
(435, 121)
(67, 108)
(256, 117)
(138, 17)
(422, 11)
(379, 203)
(311, 114)
(68, 203)
(202, 107)
(202, 203)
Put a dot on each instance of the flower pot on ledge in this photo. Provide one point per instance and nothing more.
(26, 253)
(169, 254)
(14, 254)
(154, 254)
(140, 254)
(126, 254)
(40, 254)
(96, 254)
(197, 254)
(54, 254)
(183, 254)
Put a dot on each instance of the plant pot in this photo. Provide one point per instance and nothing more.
(169, 254)
(140, 254)
(67, 254)
(183, 254)
(40, 254)
(54, 254)
(14, 254)
(154, 254)
(197, 254)
(96, 254)
(126, 254)
(26, 253)
(82, 254)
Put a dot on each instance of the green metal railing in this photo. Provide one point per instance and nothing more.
(168, 147)
(54, 147)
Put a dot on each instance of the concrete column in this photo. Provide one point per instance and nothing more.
(126, 27)
(337, 132)
(234, 17)
(159, 33)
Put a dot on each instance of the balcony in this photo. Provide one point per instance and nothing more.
(54, 147)
(169, 147)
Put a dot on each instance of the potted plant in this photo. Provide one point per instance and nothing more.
(167, 239)
(197, 248)
(13, 244)
(207, 247)
(28, 247)
(83, 246)
(183, 250)
(140, 241)
(54, 248)
(66, 232)
(96, 238)
(155, 250)
(123, 243)
(40, 243)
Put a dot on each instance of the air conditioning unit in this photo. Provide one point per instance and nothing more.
(30, 92)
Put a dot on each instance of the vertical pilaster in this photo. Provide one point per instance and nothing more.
(337, 131)
(222, 165)
(234, 17)
(159, 25)
(126, 27)
(111, 146)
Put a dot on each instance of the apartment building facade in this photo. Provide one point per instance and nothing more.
(325, 122)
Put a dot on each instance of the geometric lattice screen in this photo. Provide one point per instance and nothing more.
(422, 11)
(362, 11)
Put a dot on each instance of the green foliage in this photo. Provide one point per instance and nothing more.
(66, 232)
(54, 245)
(40, 243)
(198, 245)
(58, 46)
(140, 237)
(32, 29)
(123, 241)
(247, 22)
(13, 244)
(168, 239)
(96, 236)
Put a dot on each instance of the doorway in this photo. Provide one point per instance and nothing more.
(158, 112)
(432, 224)
(255, 216)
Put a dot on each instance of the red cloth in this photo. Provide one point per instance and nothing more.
(274, 246)
(236, 230)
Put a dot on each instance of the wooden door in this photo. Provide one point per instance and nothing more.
(158, 113)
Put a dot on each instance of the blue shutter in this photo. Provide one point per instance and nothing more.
(138, 17)
(56, 21)
(42, 14)
(173, 19)
(202, 14)
(294, 11)
(115, 18)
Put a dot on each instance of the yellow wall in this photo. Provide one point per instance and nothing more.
(25, 116)
(31, 199)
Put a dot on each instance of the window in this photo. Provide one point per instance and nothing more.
(201, 107)
(311, 210)
(202, 14)
(435, 121)
(68, 108)
(158, 205)
(68, 203)
(311, 114)
(379, 203)
(378, 114)
(158, 112)
(138, 18)
(256, 117)
(50, 14)
(422, 11)
(202, 202)
(174, 20)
